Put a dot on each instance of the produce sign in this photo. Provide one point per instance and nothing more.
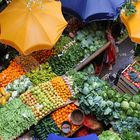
(4, 96)
(133, 79)
(90, 39)
(63, 114)
(14, 119)
(45, 127)
(41, 74)
(46, 97)
(14, 71)
(42, 55)
(28, 63)
(18, 86)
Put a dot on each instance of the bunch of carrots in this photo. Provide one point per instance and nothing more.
(61, 88)
(42, 55)
(63, 114)
(14, 71)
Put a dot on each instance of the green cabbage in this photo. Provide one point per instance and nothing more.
(109, 135)
(125, 105)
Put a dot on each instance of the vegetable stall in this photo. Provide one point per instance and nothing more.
(40, 92)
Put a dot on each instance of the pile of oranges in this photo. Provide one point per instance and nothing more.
(61, 88)
(63, 114)
(14, 71)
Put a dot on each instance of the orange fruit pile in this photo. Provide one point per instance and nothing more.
(63, 114)
(61, 88)
(14, 71)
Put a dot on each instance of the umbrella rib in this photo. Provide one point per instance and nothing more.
(84, 11)
(42, 28)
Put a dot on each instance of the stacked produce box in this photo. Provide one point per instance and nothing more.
(129, 81)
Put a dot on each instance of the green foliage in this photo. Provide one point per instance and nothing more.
(128, 128)
(15, 118)
(90, 40)
(42, 74)
(109, 135)
(63, 41)
(129, 7)
(137, 68)
(97, 97)
(130, 134)
(64, 62)
(45, 127)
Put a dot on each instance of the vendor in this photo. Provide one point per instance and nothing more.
(73, 26)
(110, 57)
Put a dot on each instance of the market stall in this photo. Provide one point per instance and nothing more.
(55, 91)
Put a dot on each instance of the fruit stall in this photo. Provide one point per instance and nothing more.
(56, 91)
(41, 94)
(129, 80)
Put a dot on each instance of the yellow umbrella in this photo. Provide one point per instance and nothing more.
(29, 30)
(132, 24)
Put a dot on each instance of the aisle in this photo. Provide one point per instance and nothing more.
(124, 57)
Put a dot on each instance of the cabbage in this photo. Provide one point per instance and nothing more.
(136, 98)
(109, 135)
(125, 105)
(117, 105)
(138, 107)
(86, 90)
(127, 97)
(130, 111)
(132, 104)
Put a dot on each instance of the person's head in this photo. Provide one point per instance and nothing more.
(108, 30)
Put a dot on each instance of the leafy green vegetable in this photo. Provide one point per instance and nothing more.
(130, 134)
(18, 86)
(125, 105)
(132, 104)
(45, 127)
(42, 74)
(109, 135)
(63, 41)
(15, 118)
(90, 39)
(137, 67)
(97, 97)
(129, 124)
(69, 59)
(136, 99)
(89, 69)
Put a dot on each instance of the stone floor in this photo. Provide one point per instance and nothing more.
(124, 58)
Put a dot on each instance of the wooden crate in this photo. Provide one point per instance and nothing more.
(125, 85)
